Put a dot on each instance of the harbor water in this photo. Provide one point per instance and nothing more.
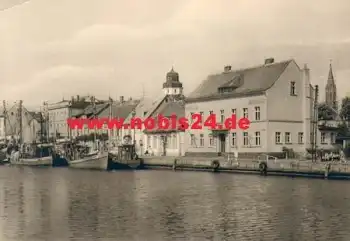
(40, 204)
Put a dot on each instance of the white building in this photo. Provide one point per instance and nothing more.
(59, 112)
(160, 142)
(2, 127)
(275, 97)
(112, 109)
(32, 124)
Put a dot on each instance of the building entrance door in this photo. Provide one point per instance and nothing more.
(222, 142)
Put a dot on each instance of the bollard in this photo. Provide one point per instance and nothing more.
(175, 164)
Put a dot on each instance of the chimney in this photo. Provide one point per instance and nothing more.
(227, 68)
(78, 97)
(269, 61)
(121, 99)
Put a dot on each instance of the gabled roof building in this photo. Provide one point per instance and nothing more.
(277, 98)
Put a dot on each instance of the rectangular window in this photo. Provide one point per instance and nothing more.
(191, 119)
(201, 140)
(332, 138)
(300, 137)
(323, 138)
(287, 138)
(292, 88)
(257, 138)
(211, 140)
(193, 140)
(245, 112)
(222, 116)
(245, 139)
(278, 138)
(175, 141)
(234, 112)
(149, 141)
(234, 139)
(155, 142)
(257, 112)
(169, 141)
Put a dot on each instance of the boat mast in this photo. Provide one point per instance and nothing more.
(5, 116)
(20, 141)
(94, 116)
(110, 117)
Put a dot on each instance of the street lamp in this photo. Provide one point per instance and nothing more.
(141, 145)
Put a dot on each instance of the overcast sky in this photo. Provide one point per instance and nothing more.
(51, 49)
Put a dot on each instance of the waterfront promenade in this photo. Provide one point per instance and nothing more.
(280, 167)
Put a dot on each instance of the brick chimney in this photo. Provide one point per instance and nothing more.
(269, 61)
(121, 99)
(227, 68)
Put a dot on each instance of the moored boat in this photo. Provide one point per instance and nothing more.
(93, 161)
(41, 155)
(41, 161)
(124, 159)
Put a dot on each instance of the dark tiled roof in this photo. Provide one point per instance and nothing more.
(168, 109)
(171, 107)
(89, 110)
(248, 81)
(119, 110)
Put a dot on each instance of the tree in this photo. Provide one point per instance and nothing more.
(343, 130)
(345, 109)
(325, 112)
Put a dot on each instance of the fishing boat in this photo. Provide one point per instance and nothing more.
(96, 161)
(124, 159)
(87, 157)
(59, 154)
(40, 156)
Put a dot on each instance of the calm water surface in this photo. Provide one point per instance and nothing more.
(63, 204)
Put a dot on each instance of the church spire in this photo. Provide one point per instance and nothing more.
(331, 89)
(330, 75)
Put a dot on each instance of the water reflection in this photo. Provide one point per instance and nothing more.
(64, 204)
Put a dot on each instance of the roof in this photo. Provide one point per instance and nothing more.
(169, 108)
(119, 110)
(253, 80)
(90, 109)
(36, 115)
(146, 107)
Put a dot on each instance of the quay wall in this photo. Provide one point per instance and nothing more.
(283, 167)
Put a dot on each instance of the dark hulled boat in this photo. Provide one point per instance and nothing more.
(124, 159)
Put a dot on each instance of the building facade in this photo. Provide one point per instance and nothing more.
(160, 142)
(21, 123)
(2, 127)
(58, 113)
(275, 97)
(110, 109)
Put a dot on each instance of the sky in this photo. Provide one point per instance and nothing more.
(53, 49)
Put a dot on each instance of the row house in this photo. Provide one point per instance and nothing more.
(111, 109)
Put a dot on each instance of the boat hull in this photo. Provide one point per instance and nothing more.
(98, 162)
(115, 164)
(59, 161)
(44, 161)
